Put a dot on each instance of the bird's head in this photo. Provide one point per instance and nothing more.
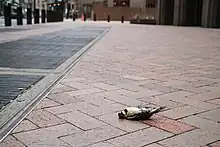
(123, 114)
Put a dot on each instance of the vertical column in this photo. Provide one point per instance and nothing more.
(198, 13)
(29, 15)
(165, 10)
(218, 16)
(43, 16)
(210, 13)
(179, 12)
(7, 15)
(36, 16)
(160, 12)
(19, 16)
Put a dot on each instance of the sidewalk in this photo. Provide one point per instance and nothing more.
(175, 67)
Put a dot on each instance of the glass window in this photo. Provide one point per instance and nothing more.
(121, 3)
(151, 4)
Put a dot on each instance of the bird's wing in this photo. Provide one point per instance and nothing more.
(133, 111)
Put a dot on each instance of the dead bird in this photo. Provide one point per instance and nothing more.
(139, 113)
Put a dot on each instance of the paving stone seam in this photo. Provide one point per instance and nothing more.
(209, 118)
(193, 115)
(40, 127)
(45, 108)
(109, 143)
(98, 115)
(206, 85)
(116, 102)
(208, 101)
(66, 85)
(160, 144)
(155, 95)
(61, 92)
(19, 140)
(168, 137)
(147, 126)
(125, 133)
(73, 124)
(12, 123)
(69, 145)
(210, 144)
(217, 106)
(166, 109)
(32, 123)
(54, 101)
(101, 114)
(65, 121)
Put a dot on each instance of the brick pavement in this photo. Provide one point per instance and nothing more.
(175, 67)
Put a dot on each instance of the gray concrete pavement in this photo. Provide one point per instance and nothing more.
(177, 67)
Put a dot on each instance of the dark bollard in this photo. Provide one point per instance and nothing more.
(94, 17)
(7, 15)
(68, 11)
(36, 16)
(74, 16)
(122, 19)
(84, 17)
(19, 16)
(29, 16)
(43, 16)
(108, 18)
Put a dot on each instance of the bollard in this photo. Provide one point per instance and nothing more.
(122, 19)
(74, 16)
(7, 15)
(94, 17)
(108, 18)
(19, 16)
(68, 11)
(84, 17)
(36, 16)
(29, 16)
(43, 16)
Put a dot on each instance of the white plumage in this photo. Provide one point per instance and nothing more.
(138, 113)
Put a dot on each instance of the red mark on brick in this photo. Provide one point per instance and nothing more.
(169, 125)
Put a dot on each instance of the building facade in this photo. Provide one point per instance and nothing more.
(205, 13)
(145, 9)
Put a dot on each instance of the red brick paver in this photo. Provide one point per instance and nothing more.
(176, 67)
(169, 125)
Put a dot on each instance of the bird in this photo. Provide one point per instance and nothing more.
(139, 113)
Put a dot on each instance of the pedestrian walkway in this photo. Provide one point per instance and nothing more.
(176, 67)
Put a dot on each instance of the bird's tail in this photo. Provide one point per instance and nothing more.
(156, 110)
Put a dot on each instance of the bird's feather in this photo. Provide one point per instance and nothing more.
(138, 113)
